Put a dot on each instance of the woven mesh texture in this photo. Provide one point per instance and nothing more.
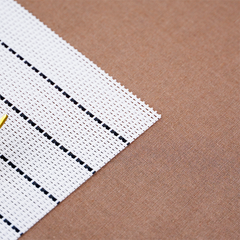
(68, 118)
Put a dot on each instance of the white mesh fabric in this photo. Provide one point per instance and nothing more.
(67, 119)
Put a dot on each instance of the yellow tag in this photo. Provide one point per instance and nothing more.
(3, 120)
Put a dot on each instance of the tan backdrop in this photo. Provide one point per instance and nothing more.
(180, 179)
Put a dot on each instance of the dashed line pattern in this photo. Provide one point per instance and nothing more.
(10, 224)
(29, 179)
(45, 134)
(75, 102)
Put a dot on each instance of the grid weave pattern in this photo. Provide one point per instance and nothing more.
(68, 118)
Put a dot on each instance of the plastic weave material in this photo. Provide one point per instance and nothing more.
(67, 119)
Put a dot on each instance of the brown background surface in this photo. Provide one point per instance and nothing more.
(180, 179)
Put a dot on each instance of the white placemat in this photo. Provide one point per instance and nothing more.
(67, 119)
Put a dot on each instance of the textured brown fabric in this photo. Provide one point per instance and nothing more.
(180, 179)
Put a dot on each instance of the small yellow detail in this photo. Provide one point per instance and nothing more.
(3, 120)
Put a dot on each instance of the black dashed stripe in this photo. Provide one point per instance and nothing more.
(5, 45)
(36, 184)
(20, 57)
(64, 149)
(39, 129)
(11, 165)
(23, 116)
(44, 191)
(123, 139)
(66, 94)
(12, 51)
(35, 69)
(8, 103)
(16, 229)
(33, 124)
(90, 114)
(114, 132)
(50, 81)
(55, 142)
(16, 109)
(71, 155)
(106, 126)
(20, 171)
(58, 88)
(80, 161)
(3, 158)
(53, 198)
(2, 98)
(43, 76)
(45, 134)
(29, 179)
(88, 168)
(74, 101)
(9, 224)
(27, 63)
(97, 120)
(82, 108)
